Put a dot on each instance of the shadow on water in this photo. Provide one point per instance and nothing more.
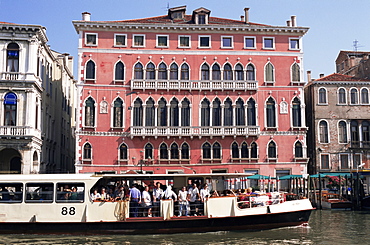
(325, 227)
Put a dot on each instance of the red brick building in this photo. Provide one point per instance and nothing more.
(191, 93)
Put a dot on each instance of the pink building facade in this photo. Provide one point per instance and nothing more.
(190, 93)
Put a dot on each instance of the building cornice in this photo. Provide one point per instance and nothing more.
(190, 52)
(39, 30)
(341, 83)
(124, 26)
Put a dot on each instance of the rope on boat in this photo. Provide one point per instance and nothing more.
(120, 210)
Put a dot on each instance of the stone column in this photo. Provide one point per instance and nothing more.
(144, 114)
(29, 109)
(32, 56)
(234, 115)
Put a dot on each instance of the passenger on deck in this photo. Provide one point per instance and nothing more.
(67, 192)
(95, 196)
(135, 200)
(111, 195)
(250, 191)
(104, 195)
(74, 194)
(5, 194)
(66, 188)
(183, 201)
(214, 193)
(120, 194)
(204, 195)
(157, 196)
(194, 199)
(147, 201)
(227, 193)
(243, 199)
(170, 194)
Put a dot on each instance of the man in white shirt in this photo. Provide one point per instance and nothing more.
(194, 199)
(204, 195)
(95, 196)
(157, 196)
(147, 200)
(183, 201)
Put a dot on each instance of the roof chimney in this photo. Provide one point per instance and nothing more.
(308, 76)
(86, 16)
(242, 18)
(288, 23)
(321, 75)
(246, 11)
(294, 20)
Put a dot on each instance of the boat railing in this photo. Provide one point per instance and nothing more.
(169, 208)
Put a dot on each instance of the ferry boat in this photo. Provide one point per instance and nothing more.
(61, 204)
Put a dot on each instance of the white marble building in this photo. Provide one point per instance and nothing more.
(36, 103)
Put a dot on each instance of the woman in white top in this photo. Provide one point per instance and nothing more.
(147, 200)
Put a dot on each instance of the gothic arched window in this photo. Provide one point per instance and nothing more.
(119, 71)
(138, 71)
(90, 112)
(138, 113)
(118, 113)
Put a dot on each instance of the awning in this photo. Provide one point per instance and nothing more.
(291, 176)
(323, 175)
(258, 176)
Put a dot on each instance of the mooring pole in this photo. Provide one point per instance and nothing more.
(320, 192)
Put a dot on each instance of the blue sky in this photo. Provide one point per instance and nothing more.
(334, 24)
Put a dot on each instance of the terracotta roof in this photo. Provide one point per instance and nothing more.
(1, 22)
(164, 19)
(354, 52)
(340, 77)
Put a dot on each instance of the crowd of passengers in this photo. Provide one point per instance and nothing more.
(145, 199)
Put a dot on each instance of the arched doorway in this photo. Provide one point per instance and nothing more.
(10, 161)
(15, 165)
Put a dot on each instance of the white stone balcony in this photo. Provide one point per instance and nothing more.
(19, 131)
(144, 131)
(18, 76)
(210, 85)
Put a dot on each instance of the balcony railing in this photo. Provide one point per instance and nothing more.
(18, 76)
(19, 131)
(194, 85)
(195, 131)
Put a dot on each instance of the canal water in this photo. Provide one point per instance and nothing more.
(325, 227)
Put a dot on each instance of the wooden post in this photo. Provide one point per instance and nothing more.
(358, 191)
(320, 192)
(352, 190)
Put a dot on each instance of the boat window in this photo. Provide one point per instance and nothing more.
(39, 192)
(11, 192)
(70, 192)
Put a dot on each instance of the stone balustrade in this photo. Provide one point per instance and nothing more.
(194, 85)
(18, 76)
(19, 131)
(195, 131)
